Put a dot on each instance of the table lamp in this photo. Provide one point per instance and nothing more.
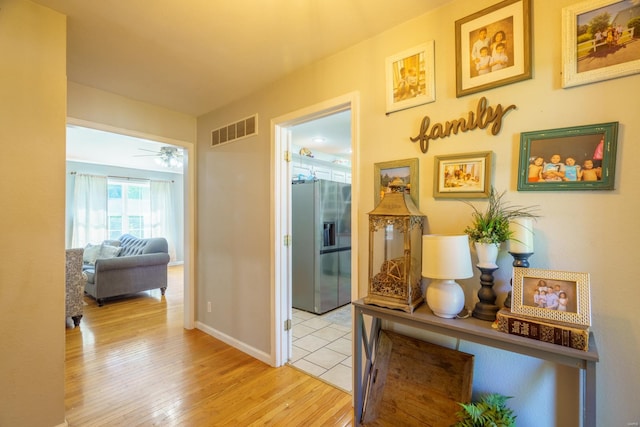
(446, 258)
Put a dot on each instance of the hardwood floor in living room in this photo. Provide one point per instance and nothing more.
(131, 363)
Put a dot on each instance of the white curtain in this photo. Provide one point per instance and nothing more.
(89, 210)
(163, 221)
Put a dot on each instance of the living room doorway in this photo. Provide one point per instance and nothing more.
(124, 149)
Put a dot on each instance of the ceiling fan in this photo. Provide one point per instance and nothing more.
(170, 157)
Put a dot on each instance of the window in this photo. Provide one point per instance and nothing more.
(128, 208)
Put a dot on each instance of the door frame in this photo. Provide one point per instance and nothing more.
(281, 302)
(189, 189)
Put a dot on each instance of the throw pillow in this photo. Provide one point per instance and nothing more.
(91, 253)
(108, 251)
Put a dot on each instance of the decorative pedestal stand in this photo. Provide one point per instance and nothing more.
(519, 260)
(486, 308)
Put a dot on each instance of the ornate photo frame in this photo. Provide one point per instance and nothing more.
(532, 289)
(463, 176)
(385, 172)
(410, 78)
(544, 158)
(596, 42)
(504, 30)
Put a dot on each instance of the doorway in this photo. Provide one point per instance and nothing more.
(282, 143)
(154, 143)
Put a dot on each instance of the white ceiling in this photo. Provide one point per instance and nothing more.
(196, 56)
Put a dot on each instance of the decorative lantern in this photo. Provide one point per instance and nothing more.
(395, 251)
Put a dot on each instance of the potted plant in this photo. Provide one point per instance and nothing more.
(490, 411)
(490, 227)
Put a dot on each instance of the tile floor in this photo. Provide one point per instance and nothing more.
(322, 345)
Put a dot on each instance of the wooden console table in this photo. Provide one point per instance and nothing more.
(473, 330)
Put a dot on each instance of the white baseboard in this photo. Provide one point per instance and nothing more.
(253, 352)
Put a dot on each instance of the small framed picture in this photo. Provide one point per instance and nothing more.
(463, 176)
(385, 172)
(573, 158)
(553, 295)
(493, 47)
(597, 41)
(411, 78)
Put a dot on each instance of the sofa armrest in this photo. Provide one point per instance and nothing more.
(119, 263)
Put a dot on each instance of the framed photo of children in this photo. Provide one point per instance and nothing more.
(463, 176)
(561, 296)
(600, 41)
(411, 78)
(574, 158)
(493, 47)
(384, 173)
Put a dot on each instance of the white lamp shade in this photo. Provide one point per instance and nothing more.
(446, 256)
(521, 241)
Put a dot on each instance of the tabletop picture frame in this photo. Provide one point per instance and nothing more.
(592, 148)
(594, 42)
(571, 288)
(385, 172)
(504, 29)
(410, 78)
(463, 176)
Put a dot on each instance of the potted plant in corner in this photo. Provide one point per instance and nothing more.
(491, 410)
(489, 228)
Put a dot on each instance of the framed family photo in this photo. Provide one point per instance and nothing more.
(463, 176)
(411, 78)
(560, 296)
(600, 41)
(573, 158)
(385, 172)
(493, 47)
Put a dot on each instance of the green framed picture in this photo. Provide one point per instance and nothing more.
(405, 169)
(573, 158)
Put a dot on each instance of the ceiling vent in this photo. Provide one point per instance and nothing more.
(235, 131)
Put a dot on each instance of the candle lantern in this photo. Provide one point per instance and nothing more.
(395, 251)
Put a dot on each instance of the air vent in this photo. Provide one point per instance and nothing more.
(235, 131)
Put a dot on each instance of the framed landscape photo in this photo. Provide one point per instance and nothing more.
(385, 172)
(493, 47)
(411, 78)
(573, 158)
(600, 41)
(560, 296)
(463, 176)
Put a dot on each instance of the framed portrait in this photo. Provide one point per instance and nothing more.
(411, 78)
(573, 158)
(463, 176)
(597, 43)
(385, 172)
(493, 47)
(553, 295)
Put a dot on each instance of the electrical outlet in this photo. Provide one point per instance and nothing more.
(208, 306)
(633, 424)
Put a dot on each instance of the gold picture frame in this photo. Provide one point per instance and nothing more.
(600, 52)
(570, 287)
(504, 30)
(463, 176)
(385, 172)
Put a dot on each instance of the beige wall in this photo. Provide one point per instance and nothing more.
(110, 110)
(32, 134)
(584, 231)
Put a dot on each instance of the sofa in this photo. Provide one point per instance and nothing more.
(125, 266)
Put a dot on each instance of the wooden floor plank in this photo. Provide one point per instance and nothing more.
(131, 363)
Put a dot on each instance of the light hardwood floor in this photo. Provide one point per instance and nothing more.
(131, 363)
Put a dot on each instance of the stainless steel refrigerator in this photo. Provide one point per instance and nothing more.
(321, 245)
